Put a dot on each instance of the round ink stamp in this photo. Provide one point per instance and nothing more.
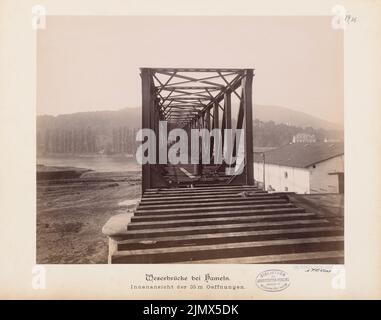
(273, 280)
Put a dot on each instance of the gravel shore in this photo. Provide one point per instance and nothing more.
(72, 212)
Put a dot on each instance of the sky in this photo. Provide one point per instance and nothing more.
(91, 63)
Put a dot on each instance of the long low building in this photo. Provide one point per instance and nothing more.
(302, 168)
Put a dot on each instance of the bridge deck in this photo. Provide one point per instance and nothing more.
(225, 224)
(186, 175)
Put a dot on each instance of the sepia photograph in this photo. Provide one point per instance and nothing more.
(164, 139)
(188, 155)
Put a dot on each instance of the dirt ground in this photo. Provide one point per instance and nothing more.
(72, 212)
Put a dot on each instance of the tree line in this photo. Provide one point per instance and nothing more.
(122, 139)
(86, 140)
(271, 134)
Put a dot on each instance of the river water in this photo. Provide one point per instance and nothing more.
(100, 163)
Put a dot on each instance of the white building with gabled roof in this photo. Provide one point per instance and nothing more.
(302, 168)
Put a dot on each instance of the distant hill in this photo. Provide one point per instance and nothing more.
(115, 131)
(291, 117)
(101, 121)
(89, 132)
(131, 117)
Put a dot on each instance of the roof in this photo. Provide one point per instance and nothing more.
(302, 155)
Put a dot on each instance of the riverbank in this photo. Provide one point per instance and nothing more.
(96, 162)
(72, 212)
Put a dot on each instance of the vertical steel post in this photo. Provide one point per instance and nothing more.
(207, 119)
(247, 100)
(146, 120)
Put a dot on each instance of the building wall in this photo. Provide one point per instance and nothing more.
(320, 179)
(297, 179)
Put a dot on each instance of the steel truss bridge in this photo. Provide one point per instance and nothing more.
(195, 213)
(197, 99)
